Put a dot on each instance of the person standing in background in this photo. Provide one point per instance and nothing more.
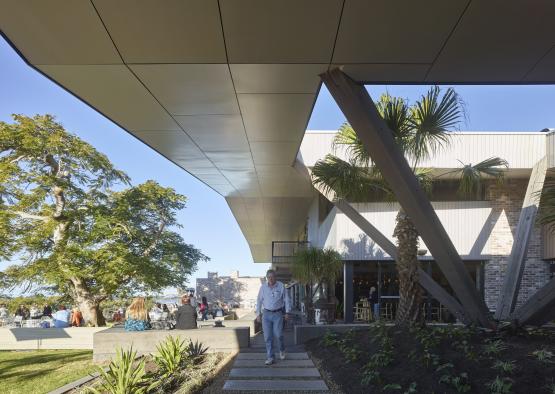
(374, 302)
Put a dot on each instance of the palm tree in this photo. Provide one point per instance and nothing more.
(316, 266)
(420, 131)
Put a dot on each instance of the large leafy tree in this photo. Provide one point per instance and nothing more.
(420, 130)
(76, 224)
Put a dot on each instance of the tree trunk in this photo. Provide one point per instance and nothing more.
(410, 293)
(88, 304)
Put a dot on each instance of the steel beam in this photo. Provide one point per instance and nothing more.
(359, 109)
(425, 280)
(515, 265)
(538, 309)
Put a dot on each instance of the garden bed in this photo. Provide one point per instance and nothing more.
(437, 360)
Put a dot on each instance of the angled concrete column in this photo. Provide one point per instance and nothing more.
(359, 109)
(538, 309)
(348, 292)
(515, 265)
(425, 280)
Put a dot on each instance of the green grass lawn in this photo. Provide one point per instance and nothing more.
(41, 371)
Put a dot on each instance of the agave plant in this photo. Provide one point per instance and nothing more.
(196, 350)
(125, 375)
(172, 355)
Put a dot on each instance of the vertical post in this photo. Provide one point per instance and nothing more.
(348, 291)
(515, 265)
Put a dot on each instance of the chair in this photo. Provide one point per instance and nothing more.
(18, 321)
(388, 311)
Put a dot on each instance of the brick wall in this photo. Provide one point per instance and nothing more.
(507, 198)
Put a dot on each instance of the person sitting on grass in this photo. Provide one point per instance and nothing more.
(61, 317)
(136, 317)
(186, 315)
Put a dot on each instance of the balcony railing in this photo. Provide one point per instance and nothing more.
(284, 251)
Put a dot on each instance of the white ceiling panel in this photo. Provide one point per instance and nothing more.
(543, 71)
(261, 253)
(190, 89)
(276, 117)
(274, 153)
(223, 189)
(58, 32)
(395, 31)
(231, 160)
(277, 78)
(114, 91)
(385, 72)
(175, 31)
(271, 32)
(216, 132)
(494, 41)
(178, 147)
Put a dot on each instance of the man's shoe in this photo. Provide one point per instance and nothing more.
(282, 355)
(269, 361)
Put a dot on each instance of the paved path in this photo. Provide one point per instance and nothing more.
(296, 373)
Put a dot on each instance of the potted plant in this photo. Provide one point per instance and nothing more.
(318, 269)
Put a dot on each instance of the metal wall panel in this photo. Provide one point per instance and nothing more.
(468, 223)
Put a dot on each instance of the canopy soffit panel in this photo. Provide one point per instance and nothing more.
(225, 89)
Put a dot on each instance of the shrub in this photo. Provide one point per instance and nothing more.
(543, 355)
(505, 366)
(500, 385)
(493, 348)
(196, 350)
(124, 376)
(172, 355)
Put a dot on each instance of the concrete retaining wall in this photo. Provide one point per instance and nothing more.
(47, 338)
(225, 339)
(248, 320)
(304, 333)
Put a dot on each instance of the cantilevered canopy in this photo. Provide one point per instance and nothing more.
(225, 89)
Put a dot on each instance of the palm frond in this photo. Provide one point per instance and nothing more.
(395, 112)
(471, 176)
(425, 178)
(347, 180)
(430, 119)
(347, 139)
(316, 265)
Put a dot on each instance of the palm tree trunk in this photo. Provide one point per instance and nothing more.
(410, 293)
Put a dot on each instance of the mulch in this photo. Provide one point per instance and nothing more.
(464, 349)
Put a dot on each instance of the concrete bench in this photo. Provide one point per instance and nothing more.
(225, 339)
(47, 338)
(248, 320)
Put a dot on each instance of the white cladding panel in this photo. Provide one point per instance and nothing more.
(468, 223)
(521, 150)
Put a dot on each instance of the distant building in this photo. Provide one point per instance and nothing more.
(232, 290)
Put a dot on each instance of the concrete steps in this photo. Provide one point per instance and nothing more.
(276, 385)
(296, 373)
(262, 356)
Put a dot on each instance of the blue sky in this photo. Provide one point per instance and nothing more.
(207, 220)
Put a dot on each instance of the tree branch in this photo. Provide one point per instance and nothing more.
(151, 247)
(30, 216)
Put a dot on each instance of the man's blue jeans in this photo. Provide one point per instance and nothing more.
(272, 326)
